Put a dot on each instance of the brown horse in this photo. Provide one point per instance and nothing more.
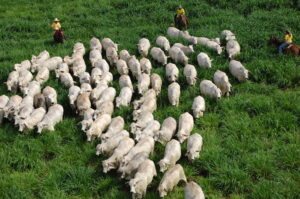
(180, 22)
(290, 49)
(59, 36)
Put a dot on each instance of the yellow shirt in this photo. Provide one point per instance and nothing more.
(180, 12)
(56, 26)
(288, 38)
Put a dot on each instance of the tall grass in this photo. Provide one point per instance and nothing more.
(251, 139)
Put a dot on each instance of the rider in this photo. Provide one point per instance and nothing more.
(287, 40)
(180, 12)
(56, 25)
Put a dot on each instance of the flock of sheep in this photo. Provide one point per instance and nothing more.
(94, 101)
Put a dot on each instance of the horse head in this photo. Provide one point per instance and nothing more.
(273, 41)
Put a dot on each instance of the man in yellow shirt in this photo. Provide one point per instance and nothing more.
(287, 40)
(56, 25)
(180, 11)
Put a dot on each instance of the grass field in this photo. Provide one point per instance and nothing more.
(251, 139)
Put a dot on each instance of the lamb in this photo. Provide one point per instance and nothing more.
(3, 102)
(228, 35)
(172, 72)
(198, 106)
(125, 81)
(122, 67)
(134, 66)
(203, 60)
(35, 117)
(143, 83)
(83, 103)
(209, 89)
(124, 55)
(79, 49)
(53, 116)
(23, 113)
(187, 50)
(233, 48)
(107, 148)
(78, 67)
(74, 91)
(85, 88)
(95, 55)
(186, 36)
(149, 94)
(222, 82)
(112, 55)
(190, 74)
(171, 179)
(146, 65)
(185, 126)
(193, 191)
(124, 98)
(158, 55)
(32, 89)
(12, 106)
(144, 145)
(163, 43)
(105, 107)
(96, 92)
(142, 178)
(12, 81)
(194, 145)
(172, 155)
(131, 168)
(88, 118)
(107, 95)
(238, 70)
(43, 75)
(143, 47)
(107, 42)
(156, 83)
(96, 76)
(149, 105)
(95, 44)
(117, 124)
(174, 93)
(24, 65)
(84, 78)
(98, 126)
(50, 96)
(167, 130)
(150, 130)
(143, 120)
(178, 55)
(66, 79)
(214, 46)
(173, 32)
(36, 60)
(115, 160)
(39, 101)
(102, 65)
(51, 63)
(24, 78)
(106, 78)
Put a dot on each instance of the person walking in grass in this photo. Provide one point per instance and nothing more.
(287, 40)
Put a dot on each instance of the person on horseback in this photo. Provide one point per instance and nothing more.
(287, 40)
(180, 19)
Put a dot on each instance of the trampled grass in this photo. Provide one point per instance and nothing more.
(251, 139)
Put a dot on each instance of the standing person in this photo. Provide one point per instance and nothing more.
(287, 40)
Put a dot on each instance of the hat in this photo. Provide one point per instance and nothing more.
(180, 6)
(56, 19)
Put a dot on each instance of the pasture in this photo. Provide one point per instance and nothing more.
(251, 138)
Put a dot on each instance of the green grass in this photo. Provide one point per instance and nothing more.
(251, 139)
